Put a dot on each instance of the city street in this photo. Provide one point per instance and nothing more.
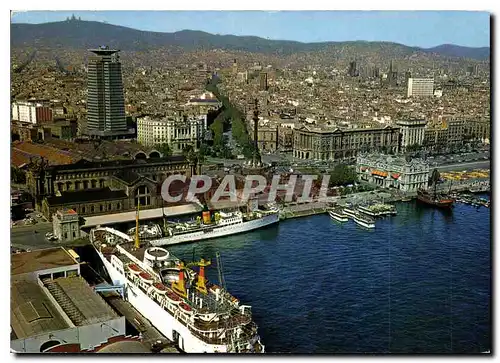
(25, 237)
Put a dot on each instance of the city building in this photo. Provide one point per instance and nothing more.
(267, 137)
(412, 132)
(263, 81)
(66, 225)
(478, 129)
(105, 100)
(353, 69)
(178, 131)
(101, 187)
(388, 171)
(32, 111)
(339, 144)
(420, 87)
(53, 309)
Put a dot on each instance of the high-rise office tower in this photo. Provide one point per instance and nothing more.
(105, 101)
(420, 87)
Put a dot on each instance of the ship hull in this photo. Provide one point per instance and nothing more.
(364, 224)
(444, 203)
(218, 231)
(338, 218)
(159, 318)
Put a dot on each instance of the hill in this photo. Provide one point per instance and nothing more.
(78, 34)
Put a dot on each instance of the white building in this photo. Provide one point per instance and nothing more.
(66, 225)
(412, 132)
(177, 131)
(420, 87)
(31, 111)
(391, 171)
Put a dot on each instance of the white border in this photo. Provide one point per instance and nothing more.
(481, 5)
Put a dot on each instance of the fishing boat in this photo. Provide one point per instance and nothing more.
(338, 215)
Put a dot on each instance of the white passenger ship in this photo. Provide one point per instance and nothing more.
(198, 316)
(224, 224)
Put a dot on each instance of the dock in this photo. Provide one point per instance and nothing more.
(148, 332)
(303, 210)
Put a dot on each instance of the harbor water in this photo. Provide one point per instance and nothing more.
(418, 283)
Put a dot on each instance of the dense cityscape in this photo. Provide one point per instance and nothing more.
(101, 125)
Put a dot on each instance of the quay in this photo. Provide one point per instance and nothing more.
(149, 333)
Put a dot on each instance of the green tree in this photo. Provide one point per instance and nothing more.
(164, 149)
(17, 175)
(342, 174)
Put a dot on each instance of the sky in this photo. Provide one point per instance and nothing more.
(413, 28)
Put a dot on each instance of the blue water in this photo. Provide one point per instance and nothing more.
(418, 283)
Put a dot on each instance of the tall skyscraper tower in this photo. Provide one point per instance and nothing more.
(105, 101)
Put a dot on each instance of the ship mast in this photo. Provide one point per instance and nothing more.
(137, 244)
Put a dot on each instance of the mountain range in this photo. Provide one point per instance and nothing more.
(80, 34)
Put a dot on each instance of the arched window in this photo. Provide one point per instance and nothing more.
(142, 195)
(92, 209)
(85, 184)
(94, 183)
(68, 185)
(101, 183)
(77, 185)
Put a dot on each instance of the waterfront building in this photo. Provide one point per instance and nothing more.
(178, 131)
(32, 111)
(105, 99)
(412, 132)
(420, 87)
(66, 225)
(393, 171)
(320, 143)
(53, 309)
(102, 187)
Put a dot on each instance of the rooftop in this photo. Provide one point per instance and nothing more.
(32, 312)
(85, 164)
(129, 177)
(79, 301)
(85, 196)
(33, 261)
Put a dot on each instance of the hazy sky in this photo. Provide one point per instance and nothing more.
(414, 28)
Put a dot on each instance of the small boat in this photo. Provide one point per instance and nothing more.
(134, 269)
(364, 221)
(186, 308)
(338, 215)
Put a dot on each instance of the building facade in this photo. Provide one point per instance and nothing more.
(32, 112)
(389, 171)
(263, 81)
(105, 99)
(94, 188)
(412, 132)
(177, 131)
(322, 144)
(66, 225)
(420, 87)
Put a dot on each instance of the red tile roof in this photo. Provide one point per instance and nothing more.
(22, 151)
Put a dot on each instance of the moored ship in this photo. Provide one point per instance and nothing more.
(199, 316)
(223, 224)
(364, 221)
(432, 197)
(338, 215)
